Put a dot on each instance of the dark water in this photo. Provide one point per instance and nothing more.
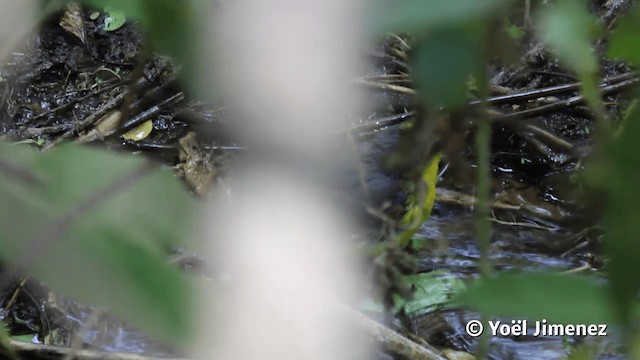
(450, 232)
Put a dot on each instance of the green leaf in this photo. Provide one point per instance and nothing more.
(557, 298)
(5, 339)
(568, 28)
(173, 27)
(128, 8)
(4, 334)
(27, 338)
(114, 20)
(419, 16)
(94, 226)
(442, 63)
(622, 214)
(515, 32)
(624, 40)
(109, 271)
(432, 290)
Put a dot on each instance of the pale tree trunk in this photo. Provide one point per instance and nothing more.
(280, 247)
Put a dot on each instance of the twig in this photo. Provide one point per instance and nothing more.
(386, 86)
(577, 247)
(482, 207)
(460, 199)
(148, 114)
(582, 268)
(549, 138)
(395, 342)
(78, 338)
(38, 351)
(389, 57)
(389, 78)
(562, 104)
(15, 294)
(400, 40)
(551, 90)
(382, 123)
(620, 82)
(45, 130)
(579, 244)
(138, 76)
(90, 120)
(521, 224)
(390, 339)
(82, 98)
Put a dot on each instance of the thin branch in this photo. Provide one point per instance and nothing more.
(549, 138)
(82, 98)
(562, 104)
(620, 82)
(32, 351)
(457, 198)
(382, 123)
(148, 114)
(395, 342)
(386, 86)
(551, 90)
(521, 224)
(89, 120)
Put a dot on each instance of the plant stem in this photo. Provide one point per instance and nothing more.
(483, 170)
(482, 208)
(483, 226)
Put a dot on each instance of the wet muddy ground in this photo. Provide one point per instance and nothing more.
(58, 87)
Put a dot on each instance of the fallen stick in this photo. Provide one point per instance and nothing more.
(30, 351)
(395, 342)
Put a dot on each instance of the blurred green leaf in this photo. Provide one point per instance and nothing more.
(129, 8)
(419, 16)
(5, 336)
(557, 298)
(173, 27)
(623, 211)
(6, 349)
(28, 338)
(104, 248)
(432, 290)
(515, 32)
(568, 28)
(583, 352)
(442, 63)
(624, 40)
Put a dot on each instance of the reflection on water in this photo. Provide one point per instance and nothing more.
(451, 245)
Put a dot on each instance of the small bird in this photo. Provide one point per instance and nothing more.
(393, 187)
